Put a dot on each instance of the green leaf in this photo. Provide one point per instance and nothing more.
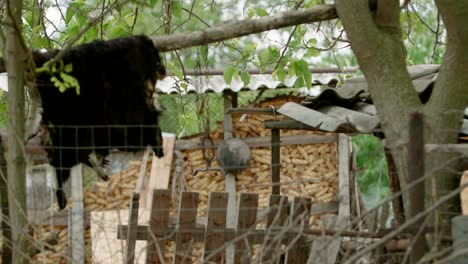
(177, 9)
(245, 76)
(261, 12)
(229, 73)
(204, 54)
(250, 13)
(302, 69)
(311, 52)
(73, 8)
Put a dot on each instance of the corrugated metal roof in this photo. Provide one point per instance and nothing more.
(349, 107)
(216, 83)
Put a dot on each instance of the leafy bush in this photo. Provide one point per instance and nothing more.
(372, 169)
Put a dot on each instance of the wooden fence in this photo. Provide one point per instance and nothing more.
(286, 224)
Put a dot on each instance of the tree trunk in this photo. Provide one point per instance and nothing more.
(16, 58)
(376, 41)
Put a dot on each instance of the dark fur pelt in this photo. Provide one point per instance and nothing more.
(114, 108)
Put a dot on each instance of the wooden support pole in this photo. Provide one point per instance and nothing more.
(159, 222)
(415, 172)
(229, 179)
(76, 239)
(275, 161)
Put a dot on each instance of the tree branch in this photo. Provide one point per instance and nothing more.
(244, 27)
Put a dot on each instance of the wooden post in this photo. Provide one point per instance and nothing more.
(299, 215)
(214, 236)
(275, 160)
(344, 150)
(229, 179)
(159, 221)
(76, 239)
(246, 220)
(277, 217)
(415, 172)
(186, 221)
(132, 229)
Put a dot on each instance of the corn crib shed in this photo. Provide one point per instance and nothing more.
(296, 197)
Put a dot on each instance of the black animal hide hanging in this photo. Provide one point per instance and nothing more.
(114, 108)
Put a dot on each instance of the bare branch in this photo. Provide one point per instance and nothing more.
(244, 27)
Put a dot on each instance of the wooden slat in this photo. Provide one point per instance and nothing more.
(257, 142)
(159, 221)
(187, 217)
(299, 215)
(275, 161)
(76, 218)
(142, 173)
(246, 221)
(160, 172)
(325, 249)
(277, 217)
(132, 230)
(214, 237)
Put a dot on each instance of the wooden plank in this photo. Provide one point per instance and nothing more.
(76, 218)
(275, 161)
(214, 237)
(107, 248)
(325, 249)
(257, 142)
(187, 217)
(299, 218)
(277, 217)
(458, 148)
(246, 221)
(344, 164)
(229, 179)
(132, 230)
(142, 180)
(160, 172)
(159, 221)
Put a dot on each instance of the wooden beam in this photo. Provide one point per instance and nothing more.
(258, 142)
(458, 148)
(208, 72)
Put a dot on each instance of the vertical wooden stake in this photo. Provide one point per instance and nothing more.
(214, 236)
(229, 179)
(186, 223)
(132, 229)
(76, 217)
(159, 221)
(246, 219)
(415, 172)
(275, 161)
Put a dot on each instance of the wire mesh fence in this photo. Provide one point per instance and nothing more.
(370, 235)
